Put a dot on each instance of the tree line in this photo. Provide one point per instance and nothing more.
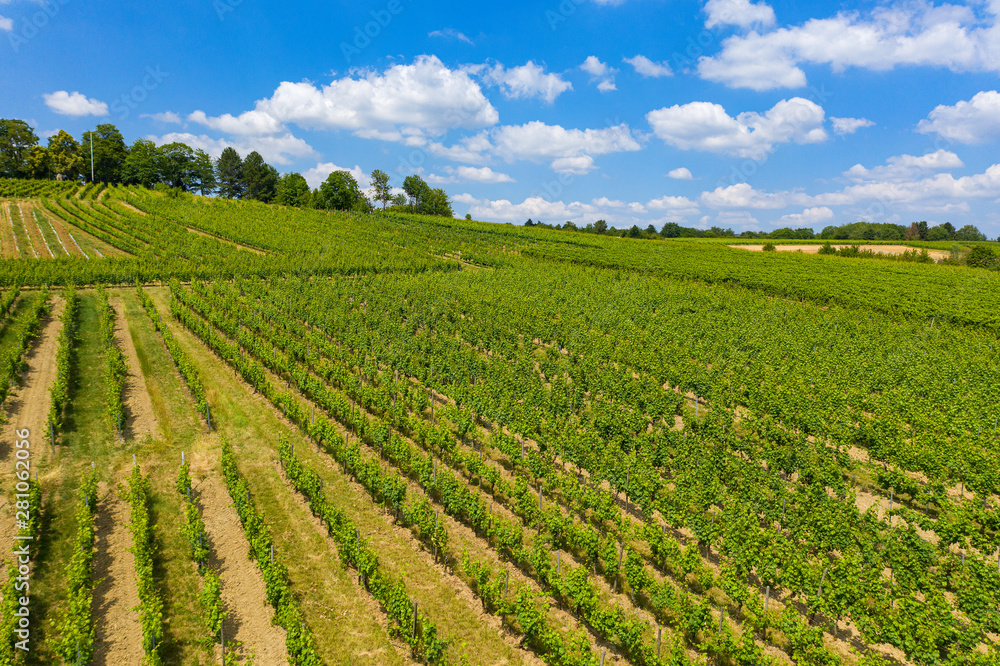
(855, 231)
(103, 156)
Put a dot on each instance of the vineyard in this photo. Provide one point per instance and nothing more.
(238, 433)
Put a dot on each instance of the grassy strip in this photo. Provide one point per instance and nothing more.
(184, 365)
(75, 629)
(116, 370)
(299, 641)
(60, 389)
(150, 602)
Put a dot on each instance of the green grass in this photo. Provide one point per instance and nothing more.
(331, 597)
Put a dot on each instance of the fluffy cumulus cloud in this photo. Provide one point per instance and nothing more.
(568, 150)
(251, 123)
(6, 24)
(528, 80)
(277, 149)
(680, 173)
(648, 68)
(808, 217)
(743, 195)
(74, 104)
(465, 174)
(906, 167)
(960, 38)
(405, 103)
(742, 13)
(849, 125)
(974, 121)
(600, 73)
(707, 127)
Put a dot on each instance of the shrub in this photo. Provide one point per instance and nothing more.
(770, 247)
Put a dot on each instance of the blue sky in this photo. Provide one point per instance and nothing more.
(726, 112)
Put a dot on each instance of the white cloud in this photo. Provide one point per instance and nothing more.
(906, 167)
(74, 104)
(706, 126)
(741, 13)
(975, 121)
(680, 173)
(678, 206)
(276, 149)
(528, 80)
(405, 103)
(164, 117)
(319, 173)
(889, 36)
(451, 33)
(601, 73)
(250, 122)
(849, 125)
(743, 195)
(569, 150)
(6, 23)
(648, 68)
(465, 174)
(808, 217)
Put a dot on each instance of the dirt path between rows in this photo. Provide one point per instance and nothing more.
(116, 623)
(141, 418)
(243, 593)
(28, 407)
(6, 234)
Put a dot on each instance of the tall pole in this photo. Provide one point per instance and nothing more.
(91, 157)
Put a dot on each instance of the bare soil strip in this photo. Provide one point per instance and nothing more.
(116, 622)
(6, 238)
(28, 407)
(814, 249)
(142, 419)
(243, 592)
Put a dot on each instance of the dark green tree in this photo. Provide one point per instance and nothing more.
(203, 173)
(340, 191)
(109, 155)
(64, 156)
(260, 179)
(969, 233)
(229, 174)
(435, 202)
(177, 165)
(600, 227)
(142, 166)
(293, 190)
(17, 139)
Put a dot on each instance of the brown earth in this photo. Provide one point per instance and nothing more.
(28, 406)
(141, 419)
(34, 232)
(243, 593)
(6, 234)
(814, 249)
(116, 622)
